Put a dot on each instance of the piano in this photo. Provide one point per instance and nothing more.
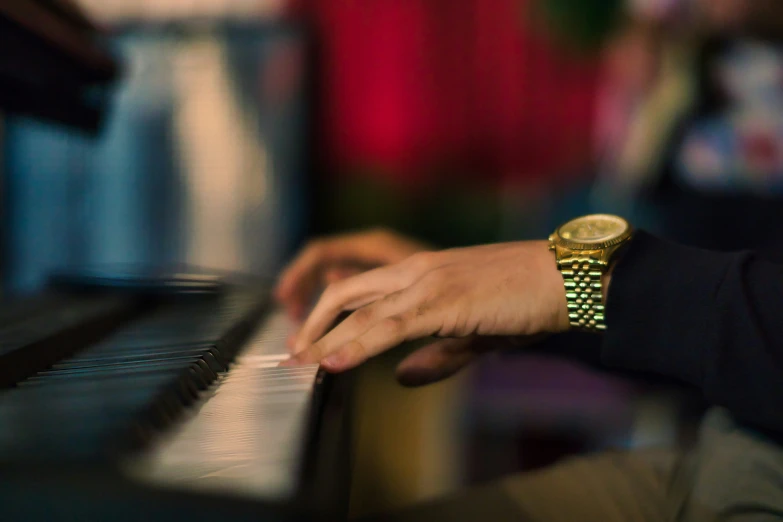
(150, 397)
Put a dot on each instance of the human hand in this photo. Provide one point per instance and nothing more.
(509, 289)
(331, 259)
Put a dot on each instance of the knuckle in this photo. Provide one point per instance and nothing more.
(362, 316)
(394, 325)
(437, 278)
(355, 352)
(332, 292)
(393, 297)
(422, 309)
(348, 356)
(422, 261)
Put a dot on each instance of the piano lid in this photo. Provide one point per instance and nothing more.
(56, 57)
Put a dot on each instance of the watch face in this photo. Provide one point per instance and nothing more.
(593, 229)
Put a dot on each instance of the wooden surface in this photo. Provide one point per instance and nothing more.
(407, 440)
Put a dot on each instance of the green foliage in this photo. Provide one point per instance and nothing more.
(583, 24)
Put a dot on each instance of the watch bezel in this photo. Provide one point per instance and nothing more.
(558, 240)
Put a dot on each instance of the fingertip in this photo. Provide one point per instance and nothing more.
(300, 345)
(334, 362)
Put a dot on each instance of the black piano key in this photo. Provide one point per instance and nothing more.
(76, 371)
(41, 406)
(144, 354)
(70, 434)
(118, 393)
(25, 308)
(41, 339)
(193, 374)
(173, 384)
(216, 364)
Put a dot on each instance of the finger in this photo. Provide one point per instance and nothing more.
(297, 284)
(364, 317)
(411, 298)
(350, 294)
(293, 342)
(290, 341)
(305, 271)
(376, 328)
(383, 335)
(391, 310)
(333, 275)
(435, 361)
(299, 341)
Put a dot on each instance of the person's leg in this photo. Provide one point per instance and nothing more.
(733, 475)
(626, 486)
(607, 487)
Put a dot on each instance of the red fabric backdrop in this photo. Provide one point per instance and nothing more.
(416, 90)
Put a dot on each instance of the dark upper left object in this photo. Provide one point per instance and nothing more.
(53, 63)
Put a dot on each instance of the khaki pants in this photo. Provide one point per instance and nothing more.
(730, 475)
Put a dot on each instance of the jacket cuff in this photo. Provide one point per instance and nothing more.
(655, 285)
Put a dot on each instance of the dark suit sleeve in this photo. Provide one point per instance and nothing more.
(711, 319)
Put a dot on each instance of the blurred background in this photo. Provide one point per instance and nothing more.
(239, 128)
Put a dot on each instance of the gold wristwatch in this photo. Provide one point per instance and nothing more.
(584, 248)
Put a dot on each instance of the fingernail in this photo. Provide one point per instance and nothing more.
(334, 360)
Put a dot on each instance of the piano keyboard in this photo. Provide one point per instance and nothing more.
(171, 405)
(119, 393)
(245, 434)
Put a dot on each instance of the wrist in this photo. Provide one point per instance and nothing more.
(585, 249)
(561, 321)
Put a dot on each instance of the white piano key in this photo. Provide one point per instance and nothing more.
(246, 435)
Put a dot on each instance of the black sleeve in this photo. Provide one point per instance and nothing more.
(711, 319)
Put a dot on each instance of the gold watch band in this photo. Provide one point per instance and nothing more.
(583, 279)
